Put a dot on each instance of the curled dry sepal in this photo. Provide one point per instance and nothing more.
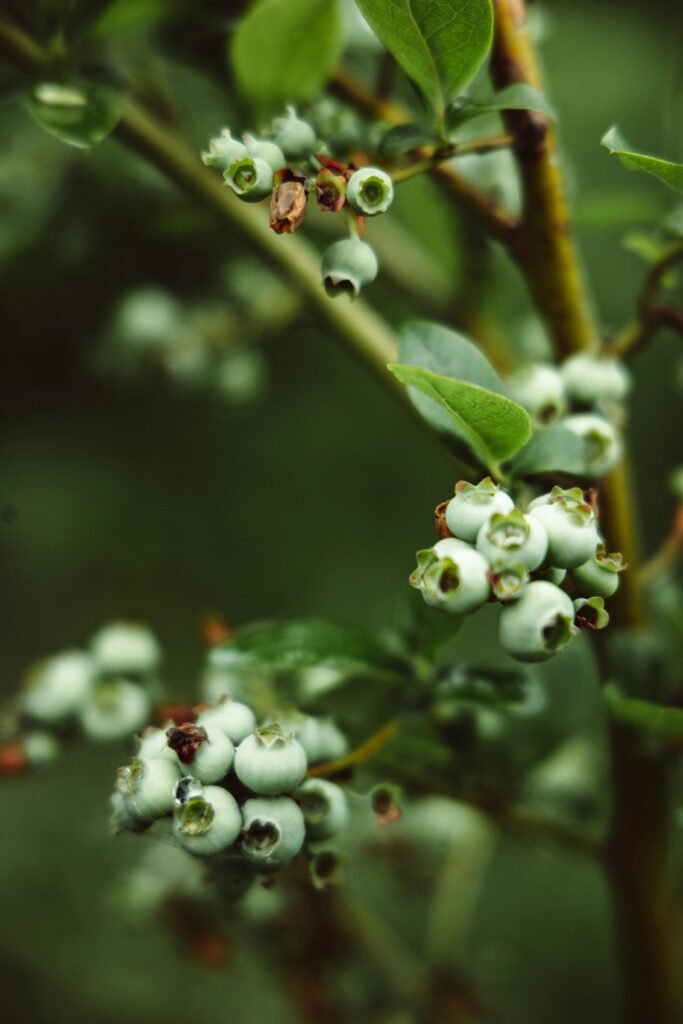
(234, 788)
(532, 561)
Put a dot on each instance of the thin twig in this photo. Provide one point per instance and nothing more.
(440, 154)
(651, 315)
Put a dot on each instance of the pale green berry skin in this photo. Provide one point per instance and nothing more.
(58, 687)
(235, 719)
(370, 191)
(530, 552)
(153, 742)
(590, 379)
(542, 607)
(213, 758)
(115, 711)
(304, 728)
(324, 807)
(148, 787)
(40, 747)
(602, 440)
(592, 578)
(572, 540)
(347, 266)
(273, 831)
(125, 648)
(467, 512)
(332, 743)
(296, 138)
(540, 389)
(250, 178)
(457, 582)
(223, 151)
(264, 149)
(270, 769)
(220, 833)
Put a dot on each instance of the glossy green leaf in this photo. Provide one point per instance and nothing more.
(494, 427)
(665, 722)
(283, 51)
(552, 449)
(434, 347)
(667, 171)
(80, 114)
(404, 137)
(440, 45)
(515, 97)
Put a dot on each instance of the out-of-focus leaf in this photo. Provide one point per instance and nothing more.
(283, 51)
(404, 137)
(665, 722)
(552, 449)
(666, 170)
(80, 114)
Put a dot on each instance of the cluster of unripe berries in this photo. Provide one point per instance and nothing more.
(230, 787)
(546, 565)
(584, 395)
(286, 167)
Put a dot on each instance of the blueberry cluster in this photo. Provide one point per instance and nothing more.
(546, 565)
(229, 786)
(584, 395)
(290, 164)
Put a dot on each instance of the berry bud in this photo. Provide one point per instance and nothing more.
(263, 149)
(539, 624)
(223, 151)
(601, 438)
(296, 138)
(148, 787)
(58, 687)
(270, 761)
(116, 710)
(324, 807)
(590, 613)
(452, 576)
(204, 753)
(539, 388)
(508, 581)
(125, 648)
(370, 191)
(473, 505)
(347, 266)
(514, 537)
(600, 574)
(250, 178)
(236, 720)
(590, 379)
(207, 821)
(570, 525)
(273, 831)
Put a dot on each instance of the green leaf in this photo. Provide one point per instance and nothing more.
(515, 97)
(80, 114)
(404, 137)
(551, 450)
(302, 644)
(284, 50)
(665, 722)
(443, 350)
(494, 427)
(441, 46)
(667, 171)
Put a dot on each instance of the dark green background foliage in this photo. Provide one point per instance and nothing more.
(141, 499)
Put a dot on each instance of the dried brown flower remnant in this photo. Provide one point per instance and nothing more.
(186, 741)
(288, 202)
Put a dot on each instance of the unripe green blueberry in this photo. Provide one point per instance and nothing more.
(324, 807)
(552, 574)
(590, 613)
(296, 138)
(147, 318)
(148, 787)
(508, 580)
(273, 831)
(570, 525)
(514, 537)
(207, 822)
(600, 574)
(235, 719)
(540, 389)
(370, 191)
(153, 742)
(125, 648)
(58, 687)
(452, 576)
(539, 624)
(223, 151)
(40, 747)
(304, 728)
(270, 761)
(473, 505)
(338, 125)
(122, 819)
(592, 379)
(116, 710)
(250, 178)
(332, 743)
(601, 438)
(263, 149)
(348, 265)
(204, 753)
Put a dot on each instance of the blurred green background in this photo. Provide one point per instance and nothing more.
(135, 495)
